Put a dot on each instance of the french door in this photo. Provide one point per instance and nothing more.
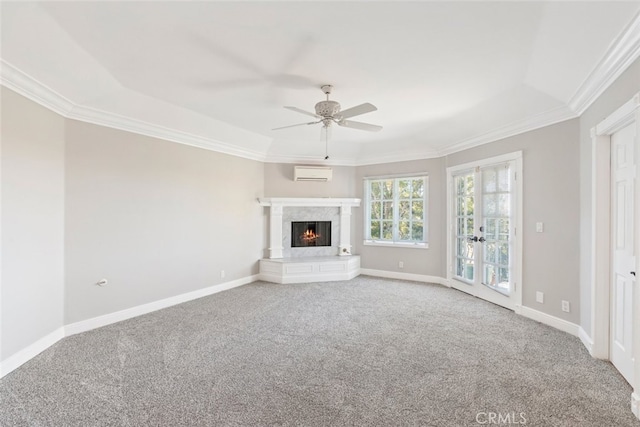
(483, 215)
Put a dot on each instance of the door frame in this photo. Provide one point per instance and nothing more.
(600, 280)
(516, 157)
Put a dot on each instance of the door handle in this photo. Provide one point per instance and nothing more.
(472, 238)
(633, 273)
(482, 240)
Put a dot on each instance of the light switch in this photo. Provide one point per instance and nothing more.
(539, 227)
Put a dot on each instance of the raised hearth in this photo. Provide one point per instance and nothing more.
(313, 269)
(290, 264)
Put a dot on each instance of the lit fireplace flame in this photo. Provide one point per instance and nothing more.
(309, 236)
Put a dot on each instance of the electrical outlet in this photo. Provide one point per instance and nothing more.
(539, 227)
(222, 274)
(565, 306)
(401, 264)
(540, 297)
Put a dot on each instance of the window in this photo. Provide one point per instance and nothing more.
(396, 211)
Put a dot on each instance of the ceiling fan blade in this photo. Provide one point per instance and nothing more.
(299, 110)
(359, 125)
(299, 124)
(357, 110)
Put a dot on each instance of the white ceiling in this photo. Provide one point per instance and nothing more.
(444, 75)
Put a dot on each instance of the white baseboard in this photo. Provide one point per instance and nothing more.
(42, 344)
(586, 340)
(547, 319)
(118, 316)
(405, 276)
(31, 351)
(635, 404)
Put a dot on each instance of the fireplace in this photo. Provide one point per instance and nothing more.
(310, 233)
(283, 211)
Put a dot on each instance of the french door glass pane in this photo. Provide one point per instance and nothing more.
(496, 210)
(464, 211)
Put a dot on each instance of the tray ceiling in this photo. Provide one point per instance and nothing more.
(444, 75)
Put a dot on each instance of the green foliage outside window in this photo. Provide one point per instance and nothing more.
(397, 210)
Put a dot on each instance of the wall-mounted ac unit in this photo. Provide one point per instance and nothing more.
(312, 173)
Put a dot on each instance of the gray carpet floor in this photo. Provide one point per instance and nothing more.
(365, 352)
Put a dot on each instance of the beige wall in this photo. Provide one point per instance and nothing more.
(32, 222)
(621, 91)
(551, 196)
(155, 218)
(430, 261)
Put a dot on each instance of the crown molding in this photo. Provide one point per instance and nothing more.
(547, 118)
(620, 55)
(310, 160)
(25, 85)
(22, 83)
(361, 161)
(115, 121)
(398, 157)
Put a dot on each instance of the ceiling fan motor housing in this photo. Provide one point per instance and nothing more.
(327, 108)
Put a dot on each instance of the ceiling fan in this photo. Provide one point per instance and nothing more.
(328, 112)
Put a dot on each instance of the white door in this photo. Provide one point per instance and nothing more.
(623, 172)
(484, 232)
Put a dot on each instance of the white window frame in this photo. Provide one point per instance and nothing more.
(396, 242)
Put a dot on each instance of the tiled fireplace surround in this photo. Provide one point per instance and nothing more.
(296, 265)
(302, 213)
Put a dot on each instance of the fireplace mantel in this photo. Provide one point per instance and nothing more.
(276, 205)
(309, 201)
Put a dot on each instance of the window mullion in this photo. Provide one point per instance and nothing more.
(367, 198)
(396, 210)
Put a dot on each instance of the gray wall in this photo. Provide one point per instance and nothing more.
(430, 261)
(155, 218)
(32, 216)
(551, 195)
(621, 91)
